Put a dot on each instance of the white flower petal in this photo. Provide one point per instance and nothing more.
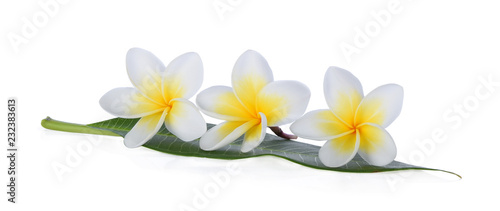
(145, 71)
(319, 125)
(184, 120)
(144, 130)
(339, 151)
(220, 102)
(250, 74)
(183, 76)
(381, 106)
(376, 145)
(224, 133)
(343, 93)
(255, 135)
(283, 101)
(127, 102)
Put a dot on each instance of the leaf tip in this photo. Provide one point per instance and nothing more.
(458, 175)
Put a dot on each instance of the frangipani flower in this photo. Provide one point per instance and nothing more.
(159, 97)
(353, 124)
(254, 103)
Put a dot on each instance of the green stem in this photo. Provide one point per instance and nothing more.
(52, 124)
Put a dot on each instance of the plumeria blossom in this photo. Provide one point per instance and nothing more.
(254, 103)
(160, 96)
(354, 123)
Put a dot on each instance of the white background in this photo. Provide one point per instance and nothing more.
(436, 50)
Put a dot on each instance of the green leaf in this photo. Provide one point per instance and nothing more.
(164, 141)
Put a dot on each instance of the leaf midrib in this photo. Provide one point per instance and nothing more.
(232, 144)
